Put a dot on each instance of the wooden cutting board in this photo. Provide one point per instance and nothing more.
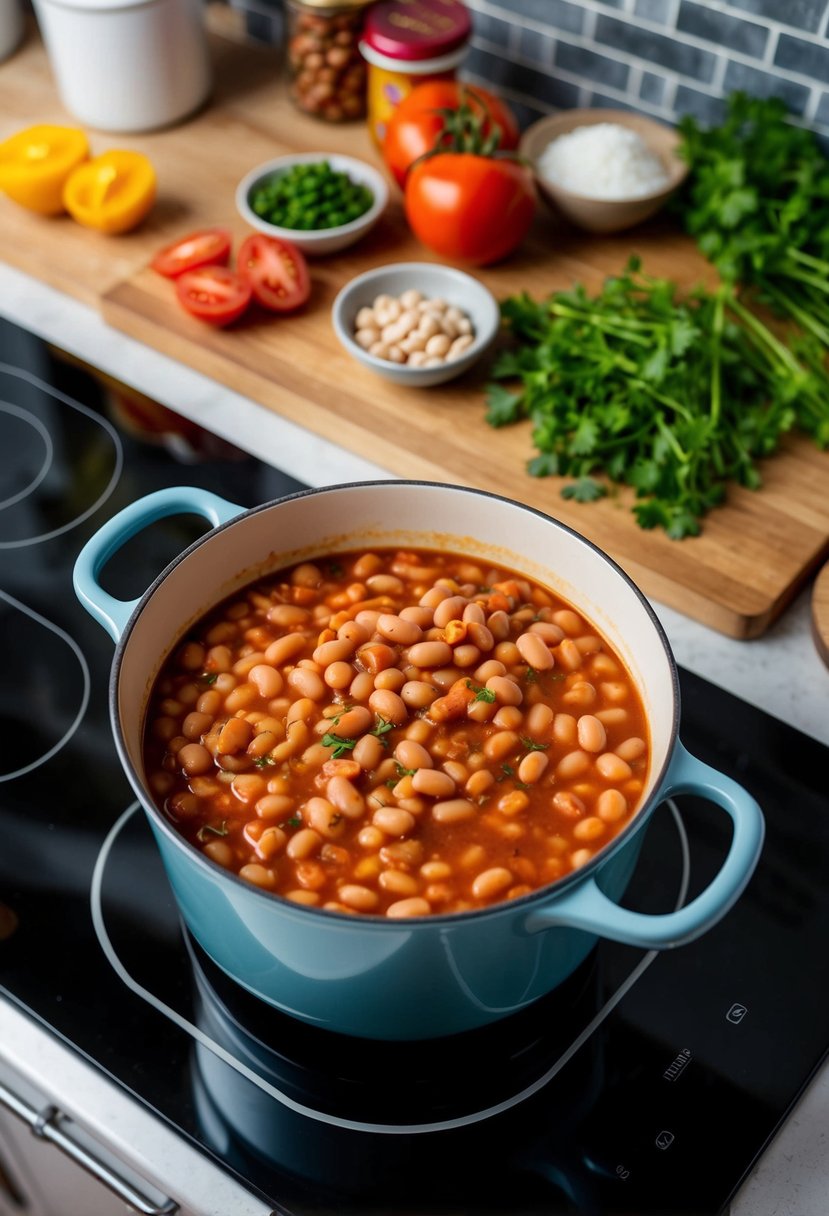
(755, 552)
(737, 577)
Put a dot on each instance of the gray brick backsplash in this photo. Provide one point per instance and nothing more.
(805, 58)
(535, 47)
(732, 33)
(802, 14)
(652, 88)
(664, 57)
(636, 40)
(560, 14)
(709, 110)
(658, 11)
(766, 84)
(578, 61)
(601, 101)
(518, 78)
(493, 29)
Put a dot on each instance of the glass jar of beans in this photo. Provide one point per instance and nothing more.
(327, 72)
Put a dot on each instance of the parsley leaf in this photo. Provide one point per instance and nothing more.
(221, 830)
(481, 693)
(340, 745)
(381, 729)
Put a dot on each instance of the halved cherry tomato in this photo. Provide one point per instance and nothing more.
(419, 119)
(276, 272)
(207, 247)
(213, 293)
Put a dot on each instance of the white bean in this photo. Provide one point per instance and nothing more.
(367, 337)
(412, 330)
(438, 345)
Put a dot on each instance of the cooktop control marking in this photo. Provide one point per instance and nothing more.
(677, 1066)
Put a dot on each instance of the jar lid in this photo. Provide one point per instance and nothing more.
(417, 29)
(331, 4)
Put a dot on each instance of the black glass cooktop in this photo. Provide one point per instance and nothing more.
(646, 1084)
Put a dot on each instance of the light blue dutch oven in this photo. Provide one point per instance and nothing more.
(437, 975)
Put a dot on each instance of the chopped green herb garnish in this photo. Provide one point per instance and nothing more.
(339, 744)
(532, 746)
(335, 569)
(209, 677)
(404, 772)
(221, 830)
(264, 761)
(481, 694)
(382, 728)
(293, 822)
(506, 771)
(531, 675)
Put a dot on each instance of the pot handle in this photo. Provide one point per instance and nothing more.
(587, 907)
(113, 613)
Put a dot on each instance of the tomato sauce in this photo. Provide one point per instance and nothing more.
(397, 733)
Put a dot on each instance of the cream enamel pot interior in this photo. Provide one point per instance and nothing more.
(436, 975)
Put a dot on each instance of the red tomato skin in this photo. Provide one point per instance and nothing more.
(470, 209)
(209, 247)
(214, 294)
(415, 124)
(276, 272)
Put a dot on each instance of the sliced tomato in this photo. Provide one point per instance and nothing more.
(213, 293)
(208, 247)
(276, 271)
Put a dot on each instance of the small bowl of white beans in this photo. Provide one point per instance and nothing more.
(416, 323)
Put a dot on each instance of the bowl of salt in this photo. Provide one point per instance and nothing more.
(605, 170)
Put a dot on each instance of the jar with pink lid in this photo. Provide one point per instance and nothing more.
(406, 42)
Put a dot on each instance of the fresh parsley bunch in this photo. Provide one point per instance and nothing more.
(757, 202)
(673, 397)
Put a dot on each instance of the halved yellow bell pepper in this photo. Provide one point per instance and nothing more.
(112, 192)
(35, 163)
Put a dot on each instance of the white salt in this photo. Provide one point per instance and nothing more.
(604, 160)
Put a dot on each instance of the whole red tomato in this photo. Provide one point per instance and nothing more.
(417, 122)
(468, 208)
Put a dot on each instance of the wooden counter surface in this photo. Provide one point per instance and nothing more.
(755, 552)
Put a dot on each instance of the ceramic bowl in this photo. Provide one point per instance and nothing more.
(433, 280)
(598, 214)
(320, 240)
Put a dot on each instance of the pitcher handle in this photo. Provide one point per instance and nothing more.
(113, 613)
(587, 907)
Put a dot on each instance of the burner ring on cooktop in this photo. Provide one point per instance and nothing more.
(205, 1041)
(37, 479)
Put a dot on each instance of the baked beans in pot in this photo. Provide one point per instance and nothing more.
(499, 933)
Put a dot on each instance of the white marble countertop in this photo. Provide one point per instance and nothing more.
(780, 672)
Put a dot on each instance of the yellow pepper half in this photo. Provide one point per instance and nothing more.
(35, 163)
(112, 192)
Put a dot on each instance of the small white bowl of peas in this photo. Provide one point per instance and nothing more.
(320, 202)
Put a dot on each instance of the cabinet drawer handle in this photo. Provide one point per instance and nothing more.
(50, 1124)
